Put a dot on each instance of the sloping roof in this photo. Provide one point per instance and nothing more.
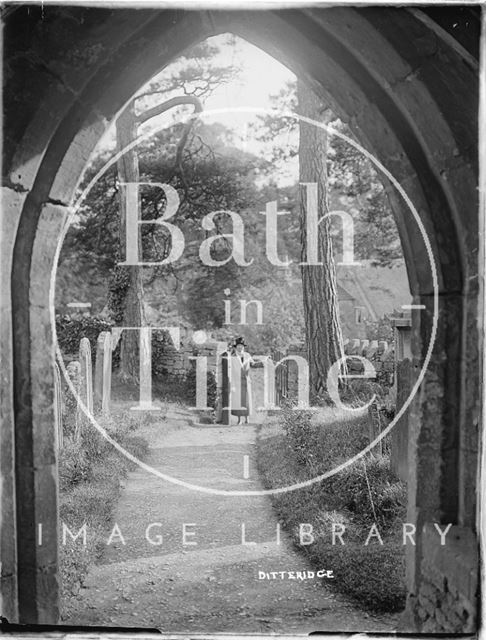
(379, 289)
(343, 294)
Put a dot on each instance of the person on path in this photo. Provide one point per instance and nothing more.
(223, 401)
(240, 392)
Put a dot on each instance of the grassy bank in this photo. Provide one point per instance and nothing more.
(90, 475)
(360, 496)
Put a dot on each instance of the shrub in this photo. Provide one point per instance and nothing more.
(385, 494)
(300, 433)
(381, 329)
(74, 465)
(340, 440)
(359, 392)
(319, 445)
(392, 502)
(71, 328)
(161, 342)
(372, 575)
(190, 388)
(90, 503)
(93, 443)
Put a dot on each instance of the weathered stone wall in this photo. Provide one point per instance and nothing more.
(448, 592)
(172, 361)
(379, 353)
(178, 362)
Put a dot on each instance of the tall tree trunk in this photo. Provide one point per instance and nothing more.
(127, 285)
(131, 303)
(322, 327)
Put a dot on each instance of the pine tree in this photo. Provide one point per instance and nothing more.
(321, 313)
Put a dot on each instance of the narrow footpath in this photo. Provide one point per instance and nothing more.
(213, 585)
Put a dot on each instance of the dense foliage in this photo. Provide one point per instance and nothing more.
(71, 328)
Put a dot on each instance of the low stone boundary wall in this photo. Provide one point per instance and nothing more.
(380, 353)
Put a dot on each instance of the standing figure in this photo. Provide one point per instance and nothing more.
(224, 406)
(240, 392)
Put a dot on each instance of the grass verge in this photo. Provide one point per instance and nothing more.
(360, 496)
(90, 475)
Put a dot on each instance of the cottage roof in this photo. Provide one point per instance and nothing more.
(343, 294)
(379, 289)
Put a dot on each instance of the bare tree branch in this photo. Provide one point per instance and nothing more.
(169, 104)
(154, 91)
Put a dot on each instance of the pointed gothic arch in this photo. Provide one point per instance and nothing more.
(405, 83)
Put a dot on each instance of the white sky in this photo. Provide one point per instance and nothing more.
(260, 77)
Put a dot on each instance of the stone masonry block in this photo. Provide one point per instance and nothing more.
(426, 603)
(382, 346)
(422, 613)
(430, 626)
(457, 560)
(442, 620)
(355, 347)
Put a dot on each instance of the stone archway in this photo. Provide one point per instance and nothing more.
(401, 80)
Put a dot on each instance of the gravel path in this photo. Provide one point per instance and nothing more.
(212, 585)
